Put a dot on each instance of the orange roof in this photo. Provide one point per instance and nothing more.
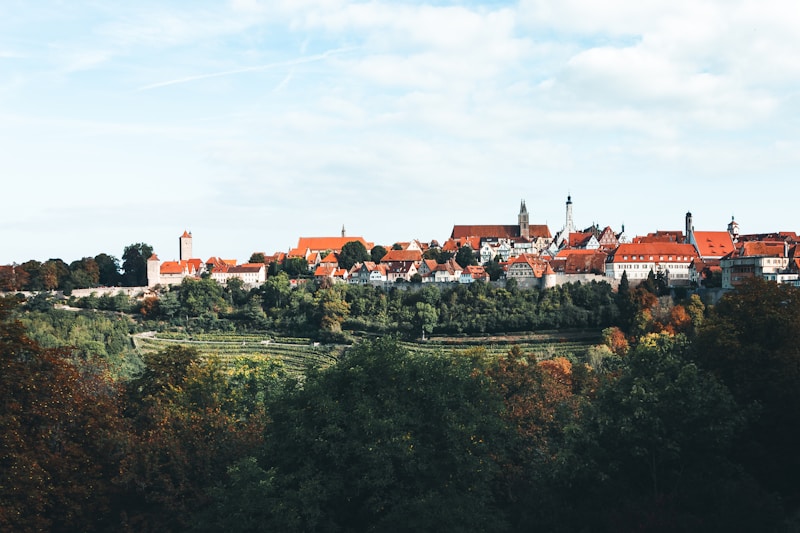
(324, 271)
(196, 263)
(661, 236)
(577, 239)
(654, 251)
(334, 244)
(402, 255)
(186, 234)
(453, 244)
(171, 267)
(575, 251)
(771, 248)
(330, 259)
(534, 262)
(713, 243)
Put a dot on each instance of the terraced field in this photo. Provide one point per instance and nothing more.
(297, 354)
(543, 345)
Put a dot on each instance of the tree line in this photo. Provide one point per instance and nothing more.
(682, 419)
(102, 270)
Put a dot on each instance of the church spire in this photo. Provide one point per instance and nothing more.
(522, 220)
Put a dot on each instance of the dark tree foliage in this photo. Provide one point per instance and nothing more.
(134, 264)
(382, 441)
(108, 267)
(353, 252)
(466, 256)
(750, 341)
(377, 253)
(59, 437)
(652, 451)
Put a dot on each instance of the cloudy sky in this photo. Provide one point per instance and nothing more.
(251, 123)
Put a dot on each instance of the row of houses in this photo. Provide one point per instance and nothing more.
(528, 253)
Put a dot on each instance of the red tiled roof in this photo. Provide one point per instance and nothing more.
(334, 244)
(661, 236)
(402, 255)
(752, 248)
(330, 259)
(186, 234)
(713, 243)
(171, 267)
(246, 267)
(654, 251)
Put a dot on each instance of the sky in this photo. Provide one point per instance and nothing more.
(252, 123)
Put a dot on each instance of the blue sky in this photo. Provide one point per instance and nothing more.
(252, 123)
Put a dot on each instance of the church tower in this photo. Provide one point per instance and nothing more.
(733, 229)
(522, 219)
(570, 225)
(689, 228)
(185, 251)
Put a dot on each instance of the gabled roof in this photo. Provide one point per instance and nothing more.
(453, 244)
(245, 268)
(580, 261)
(661, 236)
(334, 244)
(505, 231)
(172, 267)
(330, 259)
(759, 248)
(643, 252)
(186, 235)
(402, 255)
(713, 243)
(533, 262)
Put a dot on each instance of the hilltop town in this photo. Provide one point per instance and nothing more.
(528, 253)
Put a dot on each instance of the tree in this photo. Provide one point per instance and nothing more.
(134, 264)
(652, 451)
(494, 269)
(382, 441)
(465, 256)
(296, 266)
(257, 257)
(425, 318)
(377, 253)
(61, 436)
(749, 342)
(108, 270)
(84, 273)
(33, 273)
(352, 252)
(13, 278)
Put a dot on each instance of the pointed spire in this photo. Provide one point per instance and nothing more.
(344, 233)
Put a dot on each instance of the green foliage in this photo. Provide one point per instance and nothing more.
(352, 252)
(377, 253)
(750, 342)
(256, 257)
(382, 441)
(466, 256)
(653, 447)
(134, 264)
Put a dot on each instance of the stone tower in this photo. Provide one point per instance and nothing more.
(733, 229)
(522, 218)
(570, 225)
(185, 251)
(153, 271)
(689, 228)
